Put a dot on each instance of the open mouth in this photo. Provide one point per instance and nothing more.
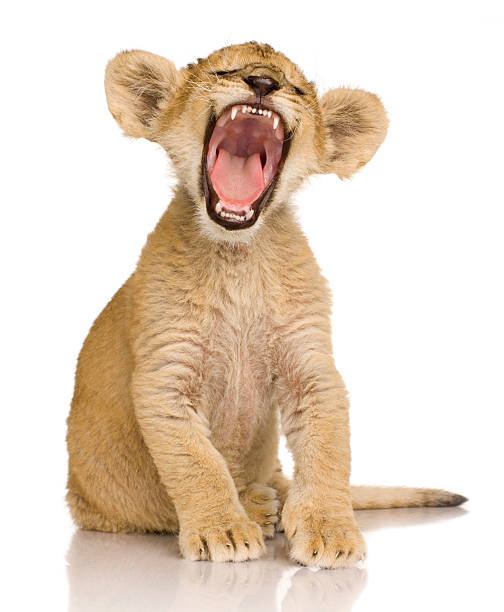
(243, 155)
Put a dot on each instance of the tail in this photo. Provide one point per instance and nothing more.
(373, 498)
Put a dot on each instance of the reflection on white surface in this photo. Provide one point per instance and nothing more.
(370, 520)
(146, 573)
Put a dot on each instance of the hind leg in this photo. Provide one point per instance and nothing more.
(104, 503)
(86, 517)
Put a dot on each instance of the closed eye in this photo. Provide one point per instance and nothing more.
(225, 72)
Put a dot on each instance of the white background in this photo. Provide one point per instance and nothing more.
(412, 247)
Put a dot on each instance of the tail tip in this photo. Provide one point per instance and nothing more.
(440, 498)
(457, 500)
(451, 499)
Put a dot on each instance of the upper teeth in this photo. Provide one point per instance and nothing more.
(252, 110)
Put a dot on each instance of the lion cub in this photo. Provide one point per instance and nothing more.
(224, 327)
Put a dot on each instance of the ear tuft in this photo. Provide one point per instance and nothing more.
(138, 86)
(355, 125)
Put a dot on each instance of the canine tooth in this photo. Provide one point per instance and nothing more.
(218, 207)
(275, 122)
(249, 215)
(233, 112)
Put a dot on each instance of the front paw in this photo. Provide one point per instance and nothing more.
(261, 505)
(321, 535)
(233, 538)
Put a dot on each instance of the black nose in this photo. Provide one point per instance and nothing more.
(262, 84)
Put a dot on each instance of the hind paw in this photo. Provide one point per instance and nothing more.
(261, 505)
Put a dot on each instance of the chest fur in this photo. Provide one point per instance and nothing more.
(238, 368)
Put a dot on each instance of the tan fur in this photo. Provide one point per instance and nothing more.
(219, 335)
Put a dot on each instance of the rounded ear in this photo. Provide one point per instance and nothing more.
(355, 124)
(138, 86)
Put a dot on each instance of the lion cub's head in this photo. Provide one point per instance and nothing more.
(243, 127)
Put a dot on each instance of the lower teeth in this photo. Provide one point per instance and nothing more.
(227, 215)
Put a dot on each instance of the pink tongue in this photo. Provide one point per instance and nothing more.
(237, 180)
